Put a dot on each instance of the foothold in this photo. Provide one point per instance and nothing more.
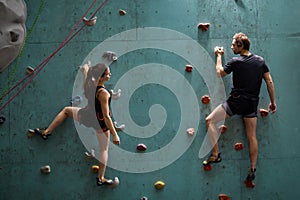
(249, 184)
(141, 147)
(224, 197)
(2, 119)
(115, 95)
(207, 167)
(203, 26)
(29, 70)
(144, 198)
(205, 99)
(89, 22)
(159, 185)
(263, 112)
(110, 56)
(45, 169)
(75, 101)
(190, 131)
(122, 12)
(119, 128)
(222, 129)
(30, 133)
(116, 182)
(95, 168)
(188, 68)
(238, 146)
(90, 155)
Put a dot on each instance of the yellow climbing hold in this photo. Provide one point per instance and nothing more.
(159, 185)
(122, 12)
(95, 168)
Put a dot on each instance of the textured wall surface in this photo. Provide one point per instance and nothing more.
(161, 101)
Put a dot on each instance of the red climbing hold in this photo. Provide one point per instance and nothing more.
(141, 147)
(205, 99)
(222, 129)
(203, 26)
(238, 146)
(188, 68)
(249, 184)
(263, 112)
(224, 197)
(207, 167)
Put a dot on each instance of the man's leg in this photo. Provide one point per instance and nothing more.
(250, 124)
(217, 115)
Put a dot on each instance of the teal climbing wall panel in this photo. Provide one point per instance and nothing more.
(153, 41)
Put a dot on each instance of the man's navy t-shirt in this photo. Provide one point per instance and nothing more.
(247, 73)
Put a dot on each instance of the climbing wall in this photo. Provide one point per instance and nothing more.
(160, 100)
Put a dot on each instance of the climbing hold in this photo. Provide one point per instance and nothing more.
(119, 128)
(205, 99)
(207, 167)
(110, 56)
(122, 12)
(249, 184)
(224, 197)
(90, 155)
(263, 112)
(45, 169)
(203, 26)
(144, 198)
(222, 129)
(159, 185)
(30, 133)
(2, 119)
(190, 131)
(115, 183)
(95, 168)
(75, 101)
(141, 147)
(89, 22)
(29, 70)
(188, 68)
(115, 95)
(238, 146)
(219, 50)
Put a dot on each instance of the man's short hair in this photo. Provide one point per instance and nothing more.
(242, 39)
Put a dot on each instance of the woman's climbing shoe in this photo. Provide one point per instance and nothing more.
(212, 159)
(104, 182)
(40, 132)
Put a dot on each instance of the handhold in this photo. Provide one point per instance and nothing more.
(222, 129)
(224, 197)
(190, 131)
(188, 68)
(219, 50)
(141, 147)
(122, 12)
(115, 95)
(205, 99)
(90, 155)
(203, 26)
(2, 119)
(75, 101)
(207, 167)
(89, 22)
(263, 112)
(95, 168)
(45, 169)
(29, 70)
(159, 185)
(249, 184)
(116, 182)
(110, 56)
(238, 146)
(144, 198)
(119, 128)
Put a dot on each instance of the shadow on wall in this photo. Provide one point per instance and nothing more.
(12, 30)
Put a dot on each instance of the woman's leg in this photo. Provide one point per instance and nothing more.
(103, 139)
(60, 118)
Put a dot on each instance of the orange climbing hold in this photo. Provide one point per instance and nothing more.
(205, 99)
(159, 185)
(95, 168)
(203, 26)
